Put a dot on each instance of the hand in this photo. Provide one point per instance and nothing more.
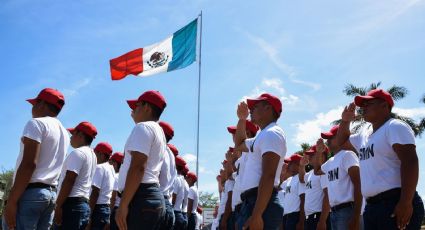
(254, 222)
(349, 113)
(320, 145)
(402, 212)
(300, 225)
(321, 225)
(10, 214)
(304, 161)
(121, 217)
(242, 111)
(57, 219)
(354, 223)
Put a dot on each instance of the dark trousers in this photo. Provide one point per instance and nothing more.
(378, 215)
(312, 220)
(272, 215)
(291, 220)
(180, 222)
(113, 223)
(169, 219)
(75, 214)
(100, 216)
(147, 208)
(191, 222)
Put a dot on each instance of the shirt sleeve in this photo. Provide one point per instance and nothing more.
(356, 140)
(116, 185)
(324, 181)
(98, 177)
(33, 130)
(249, 144)
(272, 142)
(140, 139)
(176, 187)
(301, 188)
(74, 162)
(400, 133)
(191, 194)
(350, 159)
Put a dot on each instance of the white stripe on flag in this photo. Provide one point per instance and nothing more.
(154, 66)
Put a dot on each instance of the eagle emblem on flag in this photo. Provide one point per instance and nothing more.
(157, 59)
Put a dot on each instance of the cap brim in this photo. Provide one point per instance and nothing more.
(71, 130)
(132, 104)
(251, 102)
(286, 160)
(327, 135)
(358, 100)
(32, 101)
(231, 129)
(309, 153)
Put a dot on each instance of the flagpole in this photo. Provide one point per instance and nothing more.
(199, 96)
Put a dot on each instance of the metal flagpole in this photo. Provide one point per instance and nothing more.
(199, 96)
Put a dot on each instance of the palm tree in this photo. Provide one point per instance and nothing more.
(397, 92)
(421, 124)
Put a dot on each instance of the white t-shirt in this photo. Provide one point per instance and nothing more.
(146, 138)
(117, 198)
(238, 175)
(314, 185)
(281, 197)
(81, 161)
(193, 195)
(54, 142)
(104, 179)
(340, 187)
(379, 163)
(270, 139)
(222, 205)
(199, 220)
(292, 189)
(179, 191)
(186, 193)
(168, 173)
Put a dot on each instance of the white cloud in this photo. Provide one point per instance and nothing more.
(273, 54)
(414, 113)
(308, 131)
(69, 92)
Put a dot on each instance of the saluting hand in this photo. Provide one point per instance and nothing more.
(242, 111)
(349, 113)
(304, 161)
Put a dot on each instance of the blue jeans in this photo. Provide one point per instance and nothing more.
(100, 216)
(291, 220)
(191, 222)
(180, 222)
(272, 215)
(75, 214)
(147, 208)
(35, 209)
(168, 222)
(378, 215)
(340, 219)
(312, 220)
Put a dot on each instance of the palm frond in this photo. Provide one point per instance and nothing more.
(423, 99)
(398, 92)
(352, 90)
(374, 86)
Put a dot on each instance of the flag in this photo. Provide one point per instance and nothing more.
(175, 52)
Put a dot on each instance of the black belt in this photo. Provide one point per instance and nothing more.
(253, 192)
(314, 215)
(341, 206)
(76, 200)
(41, 185)
(387, 195)
(141, 186)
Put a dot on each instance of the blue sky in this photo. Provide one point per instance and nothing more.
(303, 51)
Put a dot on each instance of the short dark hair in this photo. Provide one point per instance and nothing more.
(53, 108)
(87, 139)
(167, 138)
(156, 111)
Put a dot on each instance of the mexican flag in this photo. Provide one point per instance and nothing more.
(174, 52)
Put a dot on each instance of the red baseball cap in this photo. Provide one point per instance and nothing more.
(185, 170)
(51, 96)
(117, 157)
(104, 147)
(231, 129)
(272, 100)
(173, 149)
(253, 128)
(295, 157)
(231, 149)
(167, 128)
(199, 210)
(331, 133)
(151, 96)
(286, 160)
(313, 150)
(375, 93)
(192, 176)
(85, 127)
(180, 161)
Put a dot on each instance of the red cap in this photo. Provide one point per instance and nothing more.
(180, 161)
(173, 149)
(104, 147)
(151, 96)
(85, 127)
(231, 129)
(167, 128)
(295, 157)
(331, 133)
(185, 170)
(117, 157)
(199, 210)
(231, 149)
(286, 160)
(192, 176)
(375, 93)
(253, 128)
(273, 100)
(313, 150)
(51, 96)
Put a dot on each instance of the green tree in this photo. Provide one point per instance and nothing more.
(6, 180)
(421, 124)
(207, 199)
(397, 92)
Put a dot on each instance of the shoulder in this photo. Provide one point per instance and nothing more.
(273, 131)
(398, 124)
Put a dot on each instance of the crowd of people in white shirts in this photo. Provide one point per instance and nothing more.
(364, 180)
(148, 186)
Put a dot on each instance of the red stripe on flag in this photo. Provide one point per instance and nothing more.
(129, 63)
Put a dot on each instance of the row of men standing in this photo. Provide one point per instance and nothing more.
(147, 187)
(365, 180)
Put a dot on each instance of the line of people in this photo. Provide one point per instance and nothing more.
(149, 186)
(364, 180)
